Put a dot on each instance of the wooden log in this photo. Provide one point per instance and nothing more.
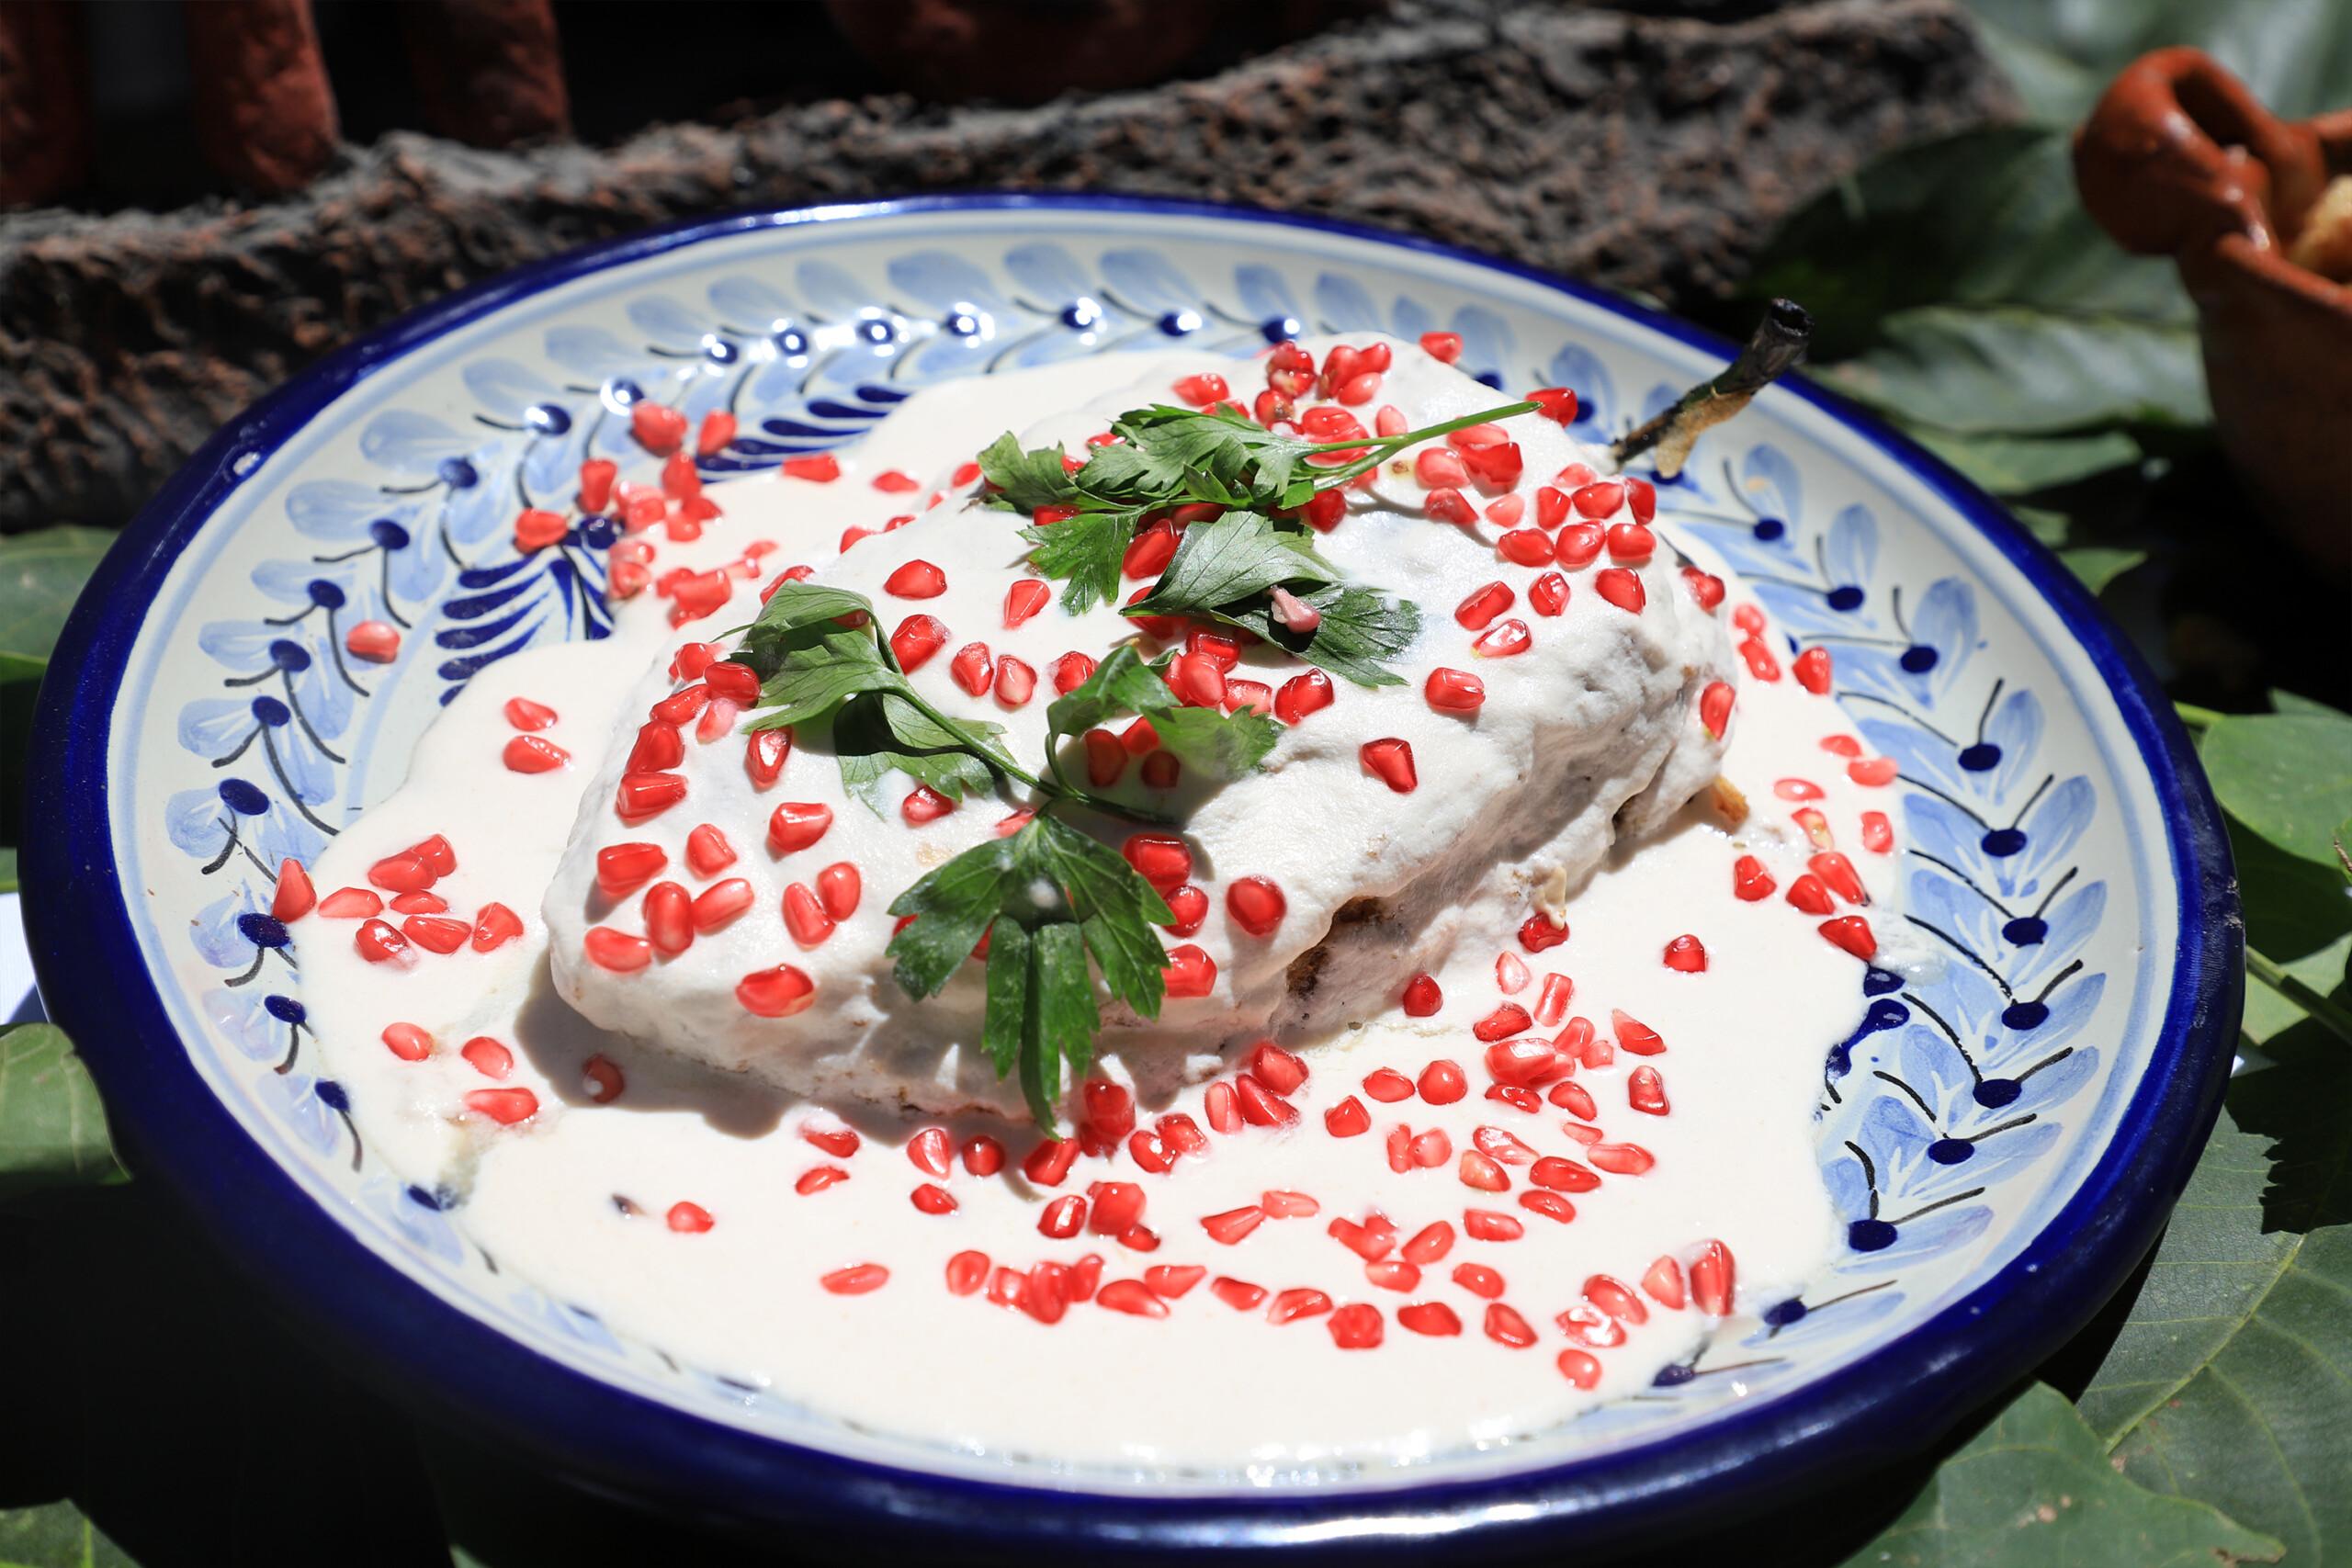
(1650, 153)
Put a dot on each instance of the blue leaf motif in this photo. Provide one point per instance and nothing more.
(945, 281)
(507, 388)
(1343, 305)
(2069, 922)
(1265, 293)
(1147, 279)
(1918, 1240)
(1487, 347)
(1849, 550)
(429, 1230)
(2051, 829)
(592, 352)
(241, 1015)
(832, 291)
(748, 304)
(410, 441)
(1581, 372)
(1772, 486)
(341, 509)
(665, 321)
(1048, 272)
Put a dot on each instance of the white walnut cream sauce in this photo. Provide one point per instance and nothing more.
(1545, 1161)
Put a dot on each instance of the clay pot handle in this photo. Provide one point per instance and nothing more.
(2177, 153)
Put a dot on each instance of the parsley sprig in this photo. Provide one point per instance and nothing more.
(1047, 897)
(1168, 456)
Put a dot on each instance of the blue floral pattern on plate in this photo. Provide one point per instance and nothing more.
(1963, 1111)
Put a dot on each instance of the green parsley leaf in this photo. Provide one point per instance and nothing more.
(1000, 1031)
(1238, 555)
(1228, 744)
(1221, 456)
(1361, 632)
(1059, 1030)
(952, 906)
(1086, 551)
(1028, 480)
(1117, 906)
(877, 732)
(819, 676)
(791, 610)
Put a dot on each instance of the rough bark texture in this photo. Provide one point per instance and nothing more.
(1649, 154)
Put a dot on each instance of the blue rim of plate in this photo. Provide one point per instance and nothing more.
(1891, 1403)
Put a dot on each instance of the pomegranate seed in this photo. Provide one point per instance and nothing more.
(1557, 404)
(1422, 997)
(1289, 1306)
(668, 918)
(1852, 933)
(1645, 1091)
(1201, 391)
(775, 993)
(972, 668)
(966, 1273)
(764, 751)
(1303, 694)
(1105, 758)
(1838, 873)
(1549, 594)
(1714, 708)
(1015, 681)
(1616, 1299)
(1481, 1280)
(1110, 1108)
(659, 746)
(436, 854)
(924, 804)
(504, 1106)
(1759, 659)
(1436, 468)
(1710, 1280)
(1282, 1205)
(796, 824)
(1391, 760)
(1190, 973)
(1348, 1118)
(1356, 1326)
(1475, 612)
(1456, 691)
(1537, 933)
(721, 903)
(1621, 1159)
(932, 1198)
(1686, 955)
(1664, 1282)
(1516, 1097)
(1443, 1083)
(1562, 1175)
(1431, 1149)
(1549, 1204)
(1190, 907)
(1369, 1242)
(601, 1075)
(1149, 552)
(1399, 1148)
(1524, 1063)
(1063, 1217)
(407, 1042)
(623, 868)
(1256, 904)
(1476, 1170)
(642, 795)
(533, 754)
(1750, 880)
(1506, 512)
(1706, 590)
(1872, 772)
(596, 476)
(295, 896)
(1387, 1085)
(917, 638)
(1812, 669)
(1505, 639)
(858, 1279)
(1196, 681)
(1048, 1163)
(496, 925)
(1181, 1134)
(1878, 833)
(1579, 1368)
(435, 933)
(1620, 588)
(1223, 1108)
(1163, 860)
(1504, 1325)
(1502, 1146)
(1260, 1107)
(1133, 1297)
(1575, 1099)
(1231, 1226)
(1631, 543)
(1485, 1224)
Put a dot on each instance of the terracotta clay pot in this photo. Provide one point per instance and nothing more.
(2178, 158)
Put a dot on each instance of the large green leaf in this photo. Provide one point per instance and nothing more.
(2287, 777)
(2035, 1488)
(2231, 1379)
(56, 1535)
(2008, 464)
(2295, 54)
(2099, 565)
(2018, 368)
(52, 1129)
(40, 575)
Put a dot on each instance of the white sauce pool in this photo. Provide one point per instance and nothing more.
(574, 1197)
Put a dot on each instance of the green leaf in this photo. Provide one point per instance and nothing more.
(1122, 683)
(1029, 477)
(819, 676)
(56, 1535)
(2287, 777)
(1008, 1003)
(952, 906)
(2034, 1488)
(1227, 744)
(52, 1129)
(2008, 465)
(1062, 1016)
(1238, 557)
(784, 620)
(2017, 369)
(2099, 565)
(1361, 632)
(41, 574)
(8, 870)
(2288, 702)
(877, 732)
(1085, 553)
(2060, 58)
(1116, 905)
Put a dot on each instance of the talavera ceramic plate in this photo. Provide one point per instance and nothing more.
(2002, 1144)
